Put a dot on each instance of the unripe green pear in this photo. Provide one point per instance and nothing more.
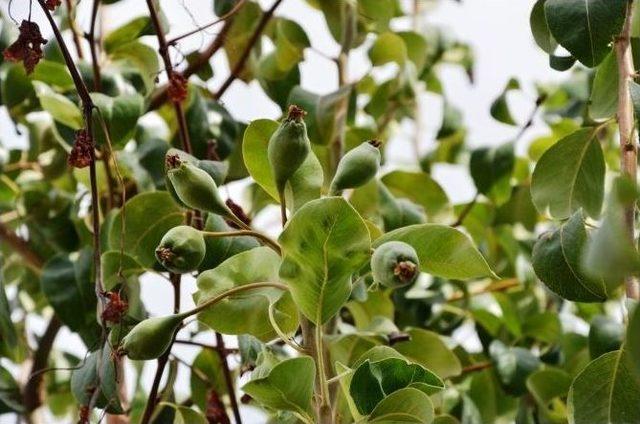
(357, 167)
(195, 188)
(150, 338)
(181, 250)
(395, 264)
(288, 147)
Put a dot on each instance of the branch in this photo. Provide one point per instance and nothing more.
(20, 246)
(91, 37)
(159, 97)
(227, 378)
(255, 37)
(222, 18)
(31, 395)
(163, 49)
(628, 147)
(497, 286)
(74, 29)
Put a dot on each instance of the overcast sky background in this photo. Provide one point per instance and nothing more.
(498, 31)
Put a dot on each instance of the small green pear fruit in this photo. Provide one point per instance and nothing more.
(196, 188)
(357, 167)
(395, 264)
(181, 250)
(288, 147)
(150, 338)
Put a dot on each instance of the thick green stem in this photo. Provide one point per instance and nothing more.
(262, 237)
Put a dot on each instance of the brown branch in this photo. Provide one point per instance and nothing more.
(628, 147)
(476, 367)
(227, 378)
(255, 37)
(226, 350)
(21, 246)
(91, 37)
(465, 212)
(163, 49)
(32, 393)
(222, 18)
(74, 29)
(159, 97)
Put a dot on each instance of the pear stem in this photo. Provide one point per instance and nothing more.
(262, 237)
(231, 292)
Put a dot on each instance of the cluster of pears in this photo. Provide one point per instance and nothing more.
(194, 184)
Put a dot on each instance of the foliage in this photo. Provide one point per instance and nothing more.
(379, 300)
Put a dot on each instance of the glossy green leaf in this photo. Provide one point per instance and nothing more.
(605, 335)
(277, 389)
(420, 188)
(513, 365)
(323, 244)
(556, 261)
(247, 312)
(8, 333)
(491, 170)
(10, 394)
(54, 74)
(407, 405)
(443, 251)
(429, 350)
(148, 217)
(549, 387)
(207, 374)
(185, 415)
(373, 381)
(603, 102)
(611, 256)
(61, 108)
(500, 108)
(121, 116)
(570, 176)
(118, 267)
(388, 47)
(586, 27)
(605, 392)
(540, 29)
(98, 368)
(68, 287)
(128, 32)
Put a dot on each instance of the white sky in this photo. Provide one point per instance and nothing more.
(498, 31)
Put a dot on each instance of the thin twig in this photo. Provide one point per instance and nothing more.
(71, 21)
(222, 18)
(497, 286)
(21, 246)
(255, 37)
(467, 209)
(91, 37)
(228, 379)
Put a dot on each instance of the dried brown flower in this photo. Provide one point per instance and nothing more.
(28, 47)
(81, 154)
(177, 90)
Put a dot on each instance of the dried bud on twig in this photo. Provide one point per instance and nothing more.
(81, 153)
(177, 90)
(115, 308)
(27, 48)
(216, 414)
(52, 4)
(238, 212)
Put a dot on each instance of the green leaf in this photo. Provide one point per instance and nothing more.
(491, 170)
(121, 116)
(388, 47)
(611, 255)
(54, 74)
(548, 386)
(321, 112)
(634, 88)
(513, 365)
(570, 176)
(605, 392)
(279, 390)
(586, 27)
(427, 349)
(68, 287)
(184, 414)
(306, 182)
(417, 48)
(323, 244)
(633, 340)
(10, 395)
(407, 405)
(605, 335)
(420, 188)
(556, 261)
(246, 312)
(148, 217)
(290, 42)
(540, 29)
(373, 381)
(8, 333)
(61, 109)
(207, 374)
(500, 108)
(128, 32)
(443, 251)
(140, 58)
(603, 102)
(118, 267)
